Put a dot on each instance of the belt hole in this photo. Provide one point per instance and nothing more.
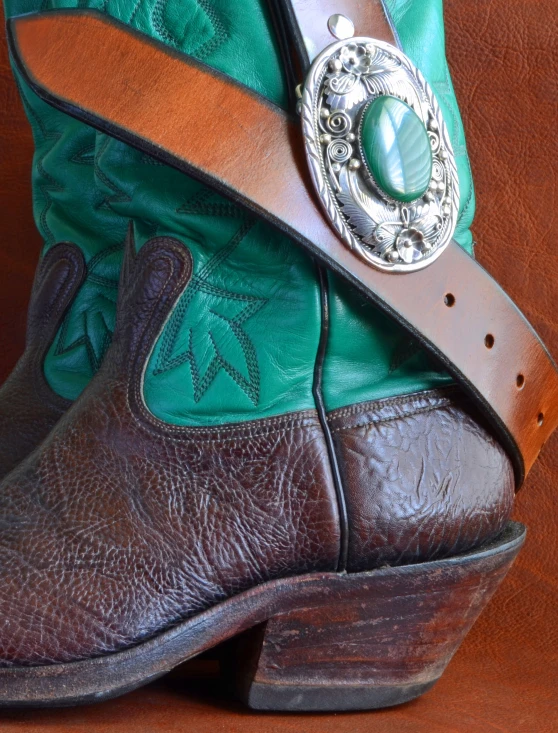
(489, 340)
(449, 300)
(540, 419)
(520, 381)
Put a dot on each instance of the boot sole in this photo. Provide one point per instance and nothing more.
(317, 642)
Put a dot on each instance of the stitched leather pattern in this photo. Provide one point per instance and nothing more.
(201, 41)
(97, 324)
(68, 202)
(227, 352)
(357, 368)
(236, 309)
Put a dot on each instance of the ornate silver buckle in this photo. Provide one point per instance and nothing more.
(380, 154)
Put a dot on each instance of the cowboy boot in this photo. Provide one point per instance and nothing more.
(261, 451)
(73, 302)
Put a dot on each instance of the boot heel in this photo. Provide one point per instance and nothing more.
(371, 640)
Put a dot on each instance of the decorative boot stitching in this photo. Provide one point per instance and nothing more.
(200, 284)
(85, 155)
(95, 357)
(148, 160)
(203, 50)
(96, 354)
(134, 12)
(220, 36)
(94, 277)
(199, 205)
(402, 406)
(373, 420)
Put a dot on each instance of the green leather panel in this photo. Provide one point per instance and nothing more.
(242, 341)
(368, 356)
(69, 207)
(420, 27)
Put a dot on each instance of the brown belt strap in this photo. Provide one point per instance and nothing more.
(309, 22)
(213, 128)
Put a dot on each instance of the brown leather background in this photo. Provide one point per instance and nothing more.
(504, 58)
(19, 241)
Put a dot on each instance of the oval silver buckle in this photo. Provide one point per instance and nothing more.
(390, 234)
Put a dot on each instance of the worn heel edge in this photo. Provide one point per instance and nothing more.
(101, 678)
(324, 699)
(384, 640)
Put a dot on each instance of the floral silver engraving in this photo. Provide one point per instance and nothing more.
(388, 234)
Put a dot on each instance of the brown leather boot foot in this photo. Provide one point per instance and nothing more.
(130, 545)
(318, 642)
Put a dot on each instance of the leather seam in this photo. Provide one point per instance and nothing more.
(436, 400)
(391, 418)
(153, 425)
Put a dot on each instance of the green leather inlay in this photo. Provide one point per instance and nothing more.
(68, 206)
(242, 340)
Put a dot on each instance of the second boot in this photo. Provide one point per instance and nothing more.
(73, 303)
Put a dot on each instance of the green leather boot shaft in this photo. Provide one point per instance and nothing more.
(242, 341)
(368, 356)
(69, 207)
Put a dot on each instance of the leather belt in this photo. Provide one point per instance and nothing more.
(209, 126)
(309, 22)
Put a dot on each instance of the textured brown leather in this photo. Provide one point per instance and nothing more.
(28, 406)
(97, 67)
(422, 479)
(310, 18)
(120, 525)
